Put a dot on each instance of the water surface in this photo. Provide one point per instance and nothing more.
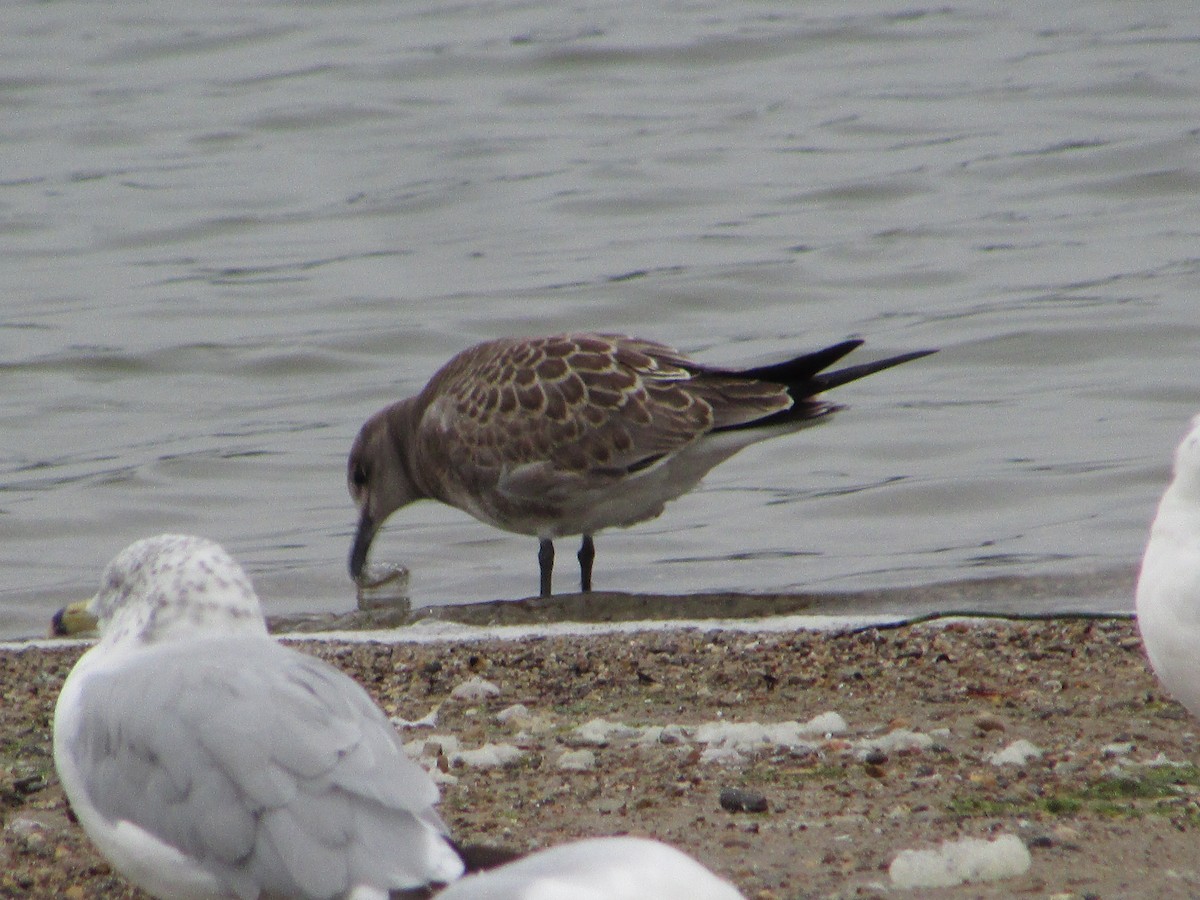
(231, 231)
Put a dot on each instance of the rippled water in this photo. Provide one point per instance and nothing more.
(230, 231)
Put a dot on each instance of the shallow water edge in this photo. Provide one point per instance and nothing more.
(1102, 593)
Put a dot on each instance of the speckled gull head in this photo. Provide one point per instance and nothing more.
(1168, 590)
(172, 586)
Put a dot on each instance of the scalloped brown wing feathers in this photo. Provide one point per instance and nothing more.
(584, 403)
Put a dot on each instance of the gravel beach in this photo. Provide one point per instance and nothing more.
(1052, 731)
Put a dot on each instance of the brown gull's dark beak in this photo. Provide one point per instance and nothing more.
(367, 527)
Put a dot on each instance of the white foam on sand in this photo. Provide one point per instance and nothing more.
(431, 631)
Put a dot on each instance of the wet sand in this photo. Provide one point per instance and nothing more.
(1108, 809)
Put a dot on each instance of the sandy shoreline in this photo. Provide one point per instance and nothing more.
(1101, 812)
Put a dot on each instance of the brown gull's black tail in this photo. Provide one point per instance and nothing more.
(853, 373)
(805, 378)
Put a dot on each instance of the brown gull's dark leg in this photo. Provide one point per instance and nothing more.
(587, 553)
(546, 563)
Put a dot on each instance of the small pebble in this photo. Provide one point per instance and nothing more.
(1017, 753)
(672, 734)
(489, 756)
(599, 733)
(742, 800)
(475, 688)
(989, 723)
(577, 760)
(29, 784)
(518, 711)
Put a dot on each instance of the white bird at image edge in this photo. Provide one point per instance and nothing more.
(1168, 591)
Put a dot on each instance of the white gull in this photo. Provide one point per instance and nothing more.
(1168, 590)
(206, 760)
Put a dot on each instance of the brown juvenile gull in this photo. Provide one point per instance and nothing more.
(572, 433)
(206, 760)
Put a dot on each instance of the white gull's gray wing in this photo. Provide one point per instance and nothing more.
(272, 769)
